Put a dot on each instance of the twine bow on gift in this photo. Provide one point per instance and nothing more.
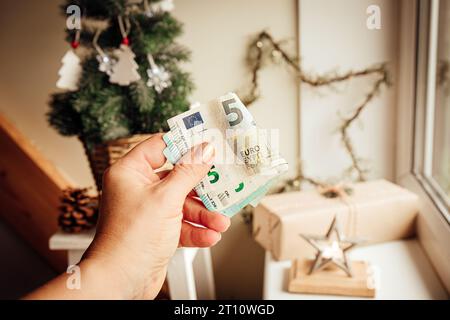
(343, 192)
(335, 191)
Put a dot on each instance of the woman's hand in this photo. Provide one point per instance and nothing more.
(144, 217)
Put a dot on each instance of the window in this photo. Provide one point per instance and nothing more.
(441, 145)
(431, 163)
(423, 122)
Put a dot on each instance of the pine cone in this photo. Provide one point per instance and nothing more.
(78, 210)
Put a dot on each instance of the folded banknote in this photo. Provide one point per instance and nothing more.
(247, 160)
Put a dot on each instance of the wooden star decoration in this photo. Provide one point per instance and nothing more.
(331, 249)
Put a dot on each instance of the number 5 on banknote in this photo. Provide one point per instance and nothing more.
(232, 110)
(213, 174)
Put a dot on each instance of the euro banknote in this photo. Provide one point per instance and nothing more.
(247, 161)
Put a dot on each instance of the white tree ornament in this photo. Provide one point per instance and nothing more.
(70, 72)
(105, 63)
(158, 8)
(124, 71)
(158, 77)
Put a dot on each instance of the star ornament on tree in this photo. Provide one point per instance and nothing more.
(158, 77)
(158, 8)
(105, 63)
(331, 249)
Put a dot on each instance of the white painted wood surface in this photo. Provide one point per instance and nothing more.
(190, 274)
(402, 271)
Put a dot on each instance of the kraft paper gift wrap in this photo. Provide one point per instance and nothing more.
(376, 211)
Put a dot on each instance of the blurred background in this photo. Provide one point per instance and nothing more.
(327, 39)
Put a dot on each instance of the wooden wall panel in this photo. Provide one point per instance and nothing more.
(30, 188)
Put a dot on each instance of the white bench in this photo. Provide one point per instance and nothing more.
(189, 274)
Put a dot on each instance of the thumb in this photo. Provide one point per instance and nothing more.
(191, 168)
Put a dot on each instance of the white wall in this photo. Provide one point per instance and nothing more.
(218, 33)
(32, 45)
(334, 37)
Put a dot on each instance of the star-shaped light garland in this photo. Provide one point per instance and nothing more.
(331, 250)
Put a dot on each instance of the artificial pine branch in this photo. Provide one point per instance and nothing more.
(62, 115)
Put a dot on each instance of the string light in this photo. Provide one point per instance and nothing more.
(264, 46)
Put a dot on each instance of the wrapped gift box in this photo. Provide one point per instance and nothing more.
(376, 211)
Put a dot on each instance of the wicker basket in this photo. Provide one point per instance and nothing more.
(103, 155)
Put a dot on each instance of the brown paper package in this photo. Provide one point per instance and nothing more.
(377, 211)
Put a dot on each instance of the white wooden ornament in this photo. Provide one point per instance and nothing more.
(70, 72)
(124, 71)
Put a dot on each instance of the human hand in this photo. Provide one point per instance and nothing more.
(144, 216)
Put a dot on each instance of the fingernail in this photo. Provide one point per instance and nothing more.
(208, 153)
(228, 223)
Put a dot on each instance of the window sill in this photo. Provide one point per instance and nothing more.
(403, 271)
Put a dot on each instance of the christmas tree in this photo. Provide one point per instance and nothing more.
(100, 110)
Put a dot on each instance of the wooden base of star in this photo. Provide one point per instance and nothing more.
(331, 280)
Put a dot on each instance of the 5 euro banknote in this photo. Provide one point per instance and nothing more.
(247, 161)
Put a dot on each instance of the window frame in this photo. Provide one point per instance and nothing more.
(425, 104)
(414, 122)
